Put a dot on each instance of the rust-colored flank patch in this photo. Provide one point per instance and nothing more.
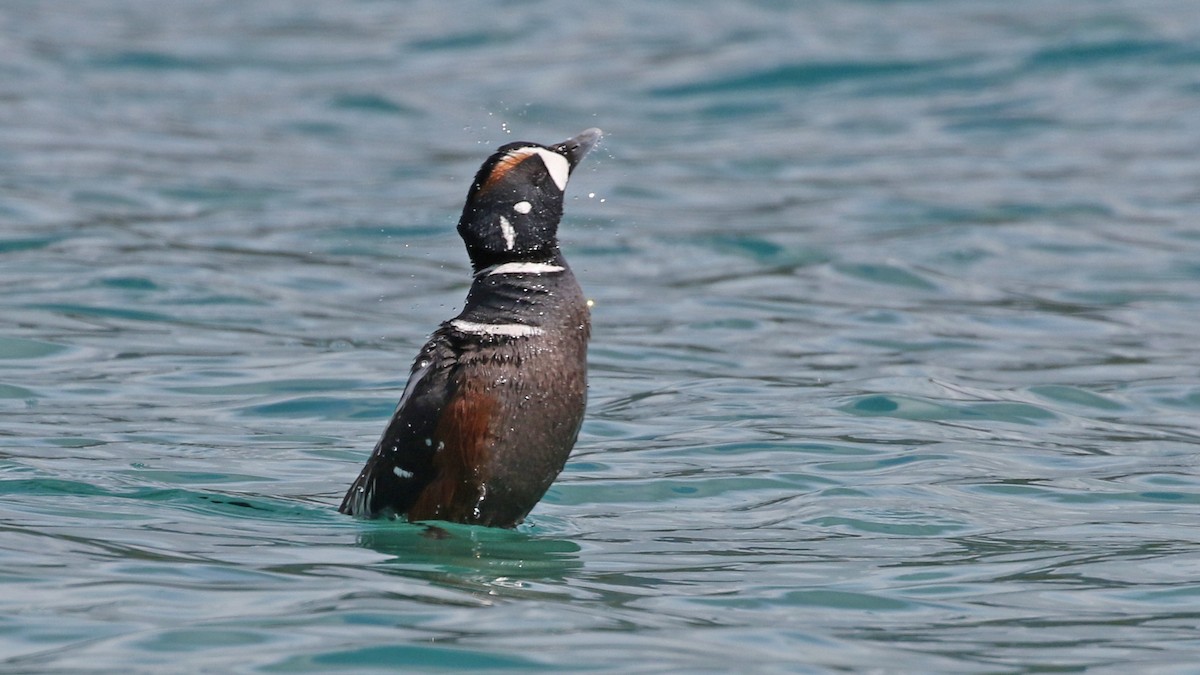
(463, 439)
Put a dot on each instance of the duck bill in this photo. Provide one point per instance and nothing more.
(575, 148)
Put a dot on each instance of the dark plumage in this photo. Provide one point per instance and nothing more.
(495, 399)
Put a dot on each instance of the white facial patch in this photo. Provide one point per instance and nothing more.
(556, 165)
(510, 235)
(496, 329)
(522, 207)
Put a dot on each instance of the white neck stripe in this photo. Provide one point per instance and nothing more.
(510, 235)
(496, 329)
(521, 268)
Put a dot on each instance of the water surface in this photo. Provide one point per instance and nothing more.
(894, 361)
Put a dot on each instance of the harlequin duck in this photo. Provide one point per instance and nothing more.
(495, 399)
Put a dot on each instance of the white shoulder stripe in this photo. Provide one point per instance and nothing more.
(496, 329)
(522, 268)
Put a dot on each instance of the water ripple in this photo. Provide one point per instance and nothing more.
(893, 364)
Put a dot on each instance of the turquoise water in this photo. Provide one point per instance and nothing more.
(895, 363)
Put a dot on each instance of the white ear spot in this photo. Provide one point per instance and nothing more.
(556, 165)
(522, 207)
(510, 235)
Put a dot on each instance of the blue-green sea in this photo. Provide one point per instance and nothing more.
(895, 361)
